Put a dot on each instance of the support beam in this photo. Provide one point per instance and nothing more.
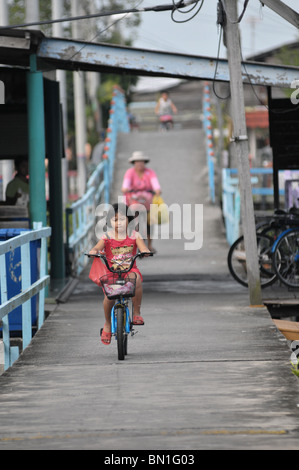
(37, 151)
(78, 55)
(54, 155)
(283, 10)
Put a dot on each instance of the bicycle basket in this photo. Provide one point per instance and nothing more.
(116, 287)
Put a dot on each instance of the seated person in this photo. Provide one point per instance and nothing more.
(17, 190)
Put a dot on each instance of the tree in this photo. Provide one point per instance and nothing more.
(116, 29)
(288, 56)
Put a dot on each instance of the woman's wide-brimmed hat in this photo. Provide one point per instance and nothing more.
(138, 157)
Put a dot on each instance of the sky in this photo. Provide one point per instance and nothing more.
(261, 30)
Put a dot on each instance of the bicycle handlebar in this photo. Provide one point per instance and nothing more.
(118, 271)
(150, 191)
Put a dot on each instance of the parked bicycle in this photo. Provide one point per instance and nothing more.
(276, 255)
(285, 253)
(120, 286)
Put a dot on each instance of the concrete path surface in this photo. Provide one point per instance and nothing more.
(206, 371)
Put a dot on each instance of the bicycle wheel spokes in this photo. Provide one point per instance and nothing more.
(267, 272)
(286, 258)
(238, 266)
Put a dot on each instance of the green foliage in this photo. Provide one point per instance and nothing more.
(288, 56)
(105, 91)
(295, 369)
(17, 13)
(113, 30)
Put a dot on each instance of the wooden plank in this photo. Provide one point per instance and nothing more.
(286, 302)
(289, 329)
(13, 211)
(14, 224)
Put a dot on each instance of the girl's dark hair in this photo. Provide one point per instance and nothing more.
(119, 208)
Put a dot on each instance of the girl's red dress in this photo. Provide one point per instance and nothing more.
(116, 251)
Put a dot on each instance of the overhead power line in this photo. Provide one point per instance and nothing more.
(158, 8)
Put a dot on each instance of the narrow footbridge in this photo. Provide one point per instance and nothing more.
(207, 371)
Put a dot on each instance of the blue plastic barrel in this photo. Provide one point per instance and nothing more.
(14, 278)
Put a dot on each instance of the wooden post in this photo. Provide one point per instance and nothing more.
(240, 140)
(283, 10)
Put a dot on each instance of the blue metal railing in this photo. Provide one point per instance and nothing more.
(231, 205)
(207, 117)
(231, 197)
(28, 289)
(80, 216)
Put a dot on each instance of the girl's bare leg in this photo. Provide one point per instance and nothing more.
(137, 300)
(108, 305)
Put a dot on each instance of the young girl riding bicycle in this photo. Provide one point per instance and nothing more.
(120, 246)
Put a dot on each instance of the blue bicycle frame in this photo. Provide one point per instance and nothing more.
(280, 237)
(293, 229)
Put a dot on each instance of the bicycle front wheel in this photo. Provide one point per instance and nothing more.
(237, 261)
(121, 333)
(286, 258)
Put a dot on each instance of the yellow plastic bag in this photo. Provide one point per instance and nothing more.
(158, 213)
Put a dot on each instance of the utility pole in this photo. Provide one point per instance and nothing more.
(57, 12)
(80, 118)
(241, 147)
(252, 20)
(32, 12)
(94, 78)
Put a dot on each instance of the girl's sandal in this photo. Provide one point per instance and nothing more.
(105, 337)
(138, 320)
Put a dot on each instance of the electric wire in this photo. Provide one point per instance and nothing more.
(273, 111)
(241, 15)
(216, 69)
(104, 30)
(157, 8)
(177, 9)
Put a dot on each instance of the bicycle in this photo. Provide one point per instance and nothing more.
(121, 288)
(285, 254)
(143, 197)
(166, 122)
(237, 261)
(267, 234)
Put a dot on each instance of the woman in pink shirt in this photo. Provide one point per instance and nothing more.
(140, 184)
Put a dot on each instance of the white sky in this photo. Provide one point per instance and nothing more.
(200, 36)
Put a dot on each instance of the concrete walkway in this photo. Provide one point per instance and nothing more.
(207, 371)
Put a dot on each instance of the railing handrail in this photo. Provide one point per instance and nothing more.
(231, 198)
(23, 239)
(207, 118)
(29, 289)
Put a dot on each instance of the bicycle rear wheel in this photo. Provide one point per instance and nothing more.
(286, 258)
(237, 261)
(120, 333)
